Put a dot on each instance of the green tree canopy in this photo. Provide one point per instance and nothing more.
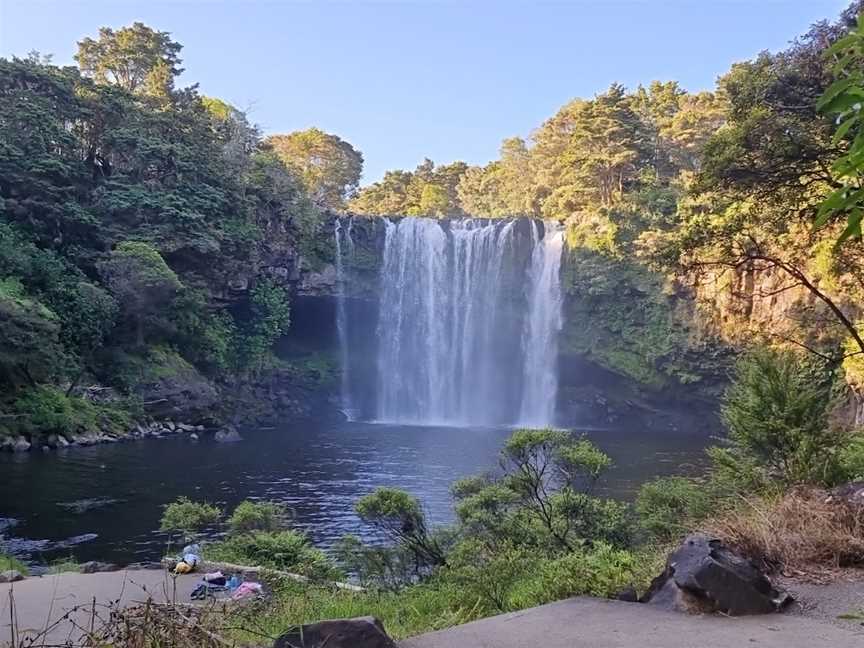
(136, 58)
(328, 166)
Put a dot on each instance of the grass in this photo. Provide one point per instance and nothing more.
(63, 566)
(11, 562)
(803, 531)
(412, 611)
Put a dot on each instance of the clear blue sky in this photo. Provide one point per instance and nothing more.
(446, 80)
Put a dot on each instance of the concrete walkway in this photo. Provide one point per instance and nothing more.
(40, 601)
(599, 623)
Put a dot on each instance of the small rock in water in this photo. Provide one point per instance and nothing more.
(228, 435)
(10, 576)
(21, 445)
(88, 504)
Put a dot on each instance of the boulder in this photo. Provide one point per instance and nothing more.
(94, 567)
(361, 632)
(10, 576)
(228, 434)
(702, 575)
(851, 494)
(21, 445)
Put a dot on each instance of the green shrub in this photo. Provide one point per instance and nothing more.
(288, 551)
(377, 567)
(543, 498)
(668, 506)
(776, 416)
(188, 517)
(398, 516)
(257, 516)
(600, 571)
(851, 458)
(8, 561)
(45, 410)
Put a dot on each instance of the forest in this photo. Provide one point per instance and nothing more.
(151, 233)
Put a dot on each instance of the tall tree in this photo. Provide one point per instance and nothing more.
(328, 166)
(136, 58)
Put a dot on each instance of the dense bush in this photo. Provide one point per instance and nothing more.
(188, 517)
(287, 550)
(669, 506)
(775, 414)
(543, 498)
(257, 516)
(45, 410)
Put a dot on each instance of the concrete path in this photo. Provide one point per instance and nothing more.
(598, 623)
(40, 601)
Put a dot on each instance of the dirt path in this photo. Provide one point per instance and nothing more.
(40, 601)
(599, 623)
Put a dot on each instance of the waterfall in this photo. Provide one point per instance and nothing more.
(469, 317)
(542, 327)
(342, 318)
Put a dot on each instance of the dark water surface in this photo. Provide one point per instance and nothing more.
(319, 470)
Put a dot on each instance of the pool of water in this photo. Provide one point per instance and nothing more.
(104, 502)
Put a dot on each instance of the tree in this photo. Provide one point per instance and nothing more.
(589, 153)
(136, 58)
(427, 191)
(748, 214)
(141, 281)
(328, 166)
(433, 201)
(843, 99)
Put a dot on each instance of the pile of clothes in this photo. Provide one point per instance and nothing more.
(216, 582)
(191, 556)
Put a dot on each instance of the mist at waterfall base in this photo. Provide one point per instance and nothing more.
(468, 318)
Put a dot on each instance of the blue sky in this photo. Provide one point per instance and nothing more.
(447, 80)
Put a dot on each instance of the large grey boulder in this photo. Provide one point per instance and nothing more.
(702, 575)
(361, 632)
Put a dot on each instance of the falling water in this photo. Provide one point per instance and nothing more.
(542, 326)
(459, 341)
(342, 318)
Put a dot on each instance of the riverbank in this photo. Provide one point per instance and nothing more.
(40, 602)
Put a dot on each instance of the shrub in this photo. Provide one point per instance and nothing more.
(668, 506)
(543, 497)
(388, 568)
(188, 517)
(487, 578)
(257, 516)
(8, 561)
(45, 410)
(852, 458)
(281, 550)
(776, 415)
(600, 571)
(398, 516)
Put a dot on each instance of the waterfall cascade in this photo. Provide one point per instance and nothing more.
(468, 322)
(542, 327)
(342, 317)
